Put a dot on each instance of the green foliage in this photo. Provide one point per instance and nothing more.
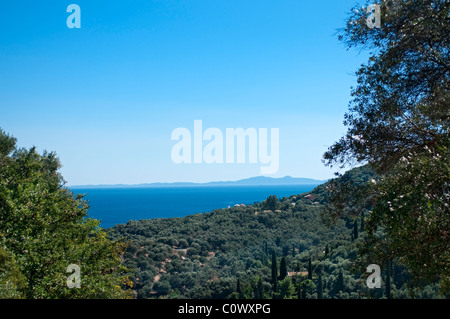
(258, 288)
(287, 289)
(320, 286)
(12, 281)
(44, 229)
(416, 193)
(398, 123)
(310, 271)
(271, 203)
(355, 229)
(339, 285)
(283, 268)
(7, 143)
(217, 249)
(274, 272)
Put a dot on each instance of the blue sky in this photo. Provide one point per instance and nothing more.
(106, 97)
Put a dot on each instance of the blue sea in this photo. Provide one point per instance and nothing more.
(119, 205)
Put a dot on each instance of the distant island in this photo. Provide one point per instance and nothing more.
(252, 181)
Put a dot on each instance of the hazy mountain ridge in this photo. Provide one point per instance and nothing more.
(252, 181)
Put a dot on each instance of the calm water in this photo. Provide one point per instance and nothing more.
(119, 205)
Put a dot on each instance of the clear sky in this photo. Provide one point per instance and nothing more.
(106, 97)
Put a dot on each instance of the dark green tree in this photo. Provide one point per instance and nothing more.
(398, 123)
(388, 280)
(271, 203)
(283, 268)
(303, 290)
(274, 272)
(339, 285)
(355, 229)
(310, 270)
(278, 241)
(287, 289)
(12, 282)
(258, 288)
(320, 286)
(44, 229)
(239, 291)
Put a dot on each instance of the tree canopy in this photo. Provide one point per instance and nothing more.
(44, 228)
(398, 123)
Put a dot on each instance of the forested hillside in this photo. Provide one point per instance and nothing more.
(280, 248)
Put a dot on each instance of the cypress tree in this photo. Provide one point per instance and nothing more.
(340, 282)
(274, 272)
(309, 269)
(259, 289)
(283, 268)
(355, 229)
(278, 241)
(320, 287)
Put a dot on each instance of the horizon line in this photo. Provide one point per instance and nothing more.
(204, 183)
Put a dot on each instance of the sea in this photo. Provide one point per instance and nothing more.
(119, 205)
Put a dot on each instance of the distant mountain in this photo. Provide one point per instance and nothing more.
(252, 181)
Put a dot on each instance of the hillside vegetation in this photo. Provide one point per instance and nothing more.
(236, 252)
